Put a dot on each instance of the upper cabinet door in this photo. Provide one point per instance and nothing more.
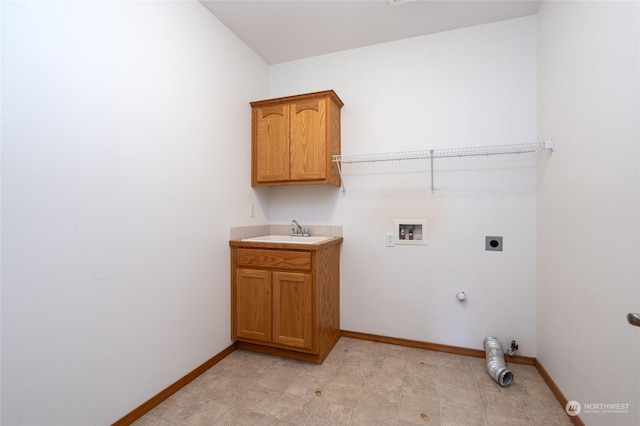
(293, 139)
(271, 143)
(308, 148)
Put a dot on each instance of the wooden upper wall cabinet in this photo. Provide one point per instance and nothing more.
(293, 139)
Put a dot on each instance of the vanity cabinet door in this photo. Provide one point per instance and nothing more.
(293, 309)
(253, 305)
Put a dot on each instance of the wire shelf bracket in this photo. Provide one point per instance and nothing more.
(433, 154)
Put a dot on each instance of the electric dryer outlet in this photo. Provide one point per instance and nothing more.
(493, 243)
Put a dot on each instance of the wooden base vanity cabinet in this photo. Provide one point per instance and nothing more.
(285, 298)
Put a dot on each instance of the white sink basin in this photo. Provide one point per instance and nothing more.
(287, 239)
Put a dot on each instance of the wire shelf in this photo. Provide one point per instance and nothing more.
(432, 154)
(440, 153)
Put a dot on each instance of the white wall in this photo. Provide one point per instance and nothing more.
(474, 86)
(125, 160)
(125, 151)
(589, 214)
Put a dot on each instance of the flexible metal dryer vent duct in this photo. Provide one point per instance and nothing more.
(496, 367)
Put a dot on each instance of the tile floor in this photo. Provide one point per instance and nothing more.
(360, 383)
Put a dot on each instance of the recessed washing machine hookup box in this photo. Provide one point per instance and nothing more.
(411, 231)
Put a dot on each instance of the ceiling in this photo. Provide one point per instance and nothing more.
(286, 30)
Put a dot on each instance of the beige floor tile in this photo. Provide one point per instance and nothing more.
(176, 407)
(419, 409)
(389, 381)
(363, 418)
(342, 344)
(289, 365)
(344, 393)
(227, 390)
(447, 360)
(502, 402)
(366, 346)
(236, 416)
(206, 413)
(151, 420)
(525, 372)
(309, 385)
(249, 374)
(277, 378)
(535, 396)
(230, 363)
(452, 414)
(460, 396)
(202, 385)
(498, 420)
(327, 369)
(219, 371)
(388, 368)
(336, 355)
(551, 415)
(392, 351)
(421, 369)
(457, 377)
(419, 385)
(422, 356)
(403, 423)
(380, 398)
(355, 374)
(257, 399)
(331, 414)
(360, 383)
(261, 362)
(359, 358)
(293, 408)
(272, 421)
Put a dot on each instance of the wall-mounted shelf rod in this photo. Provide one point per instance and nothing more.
(432, 154)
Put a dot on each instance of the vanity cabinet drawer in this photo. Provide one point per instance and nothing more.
(277, 259)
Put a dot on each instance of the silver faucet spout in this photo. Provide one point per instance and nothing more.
(298, 230)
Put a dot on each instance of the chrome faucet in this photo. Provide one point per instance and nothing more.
(298, 230)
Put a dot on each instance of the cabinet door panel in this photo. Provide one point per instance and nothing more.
(308, 151)
(272, 143)
(292, 309)
(253, 300)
